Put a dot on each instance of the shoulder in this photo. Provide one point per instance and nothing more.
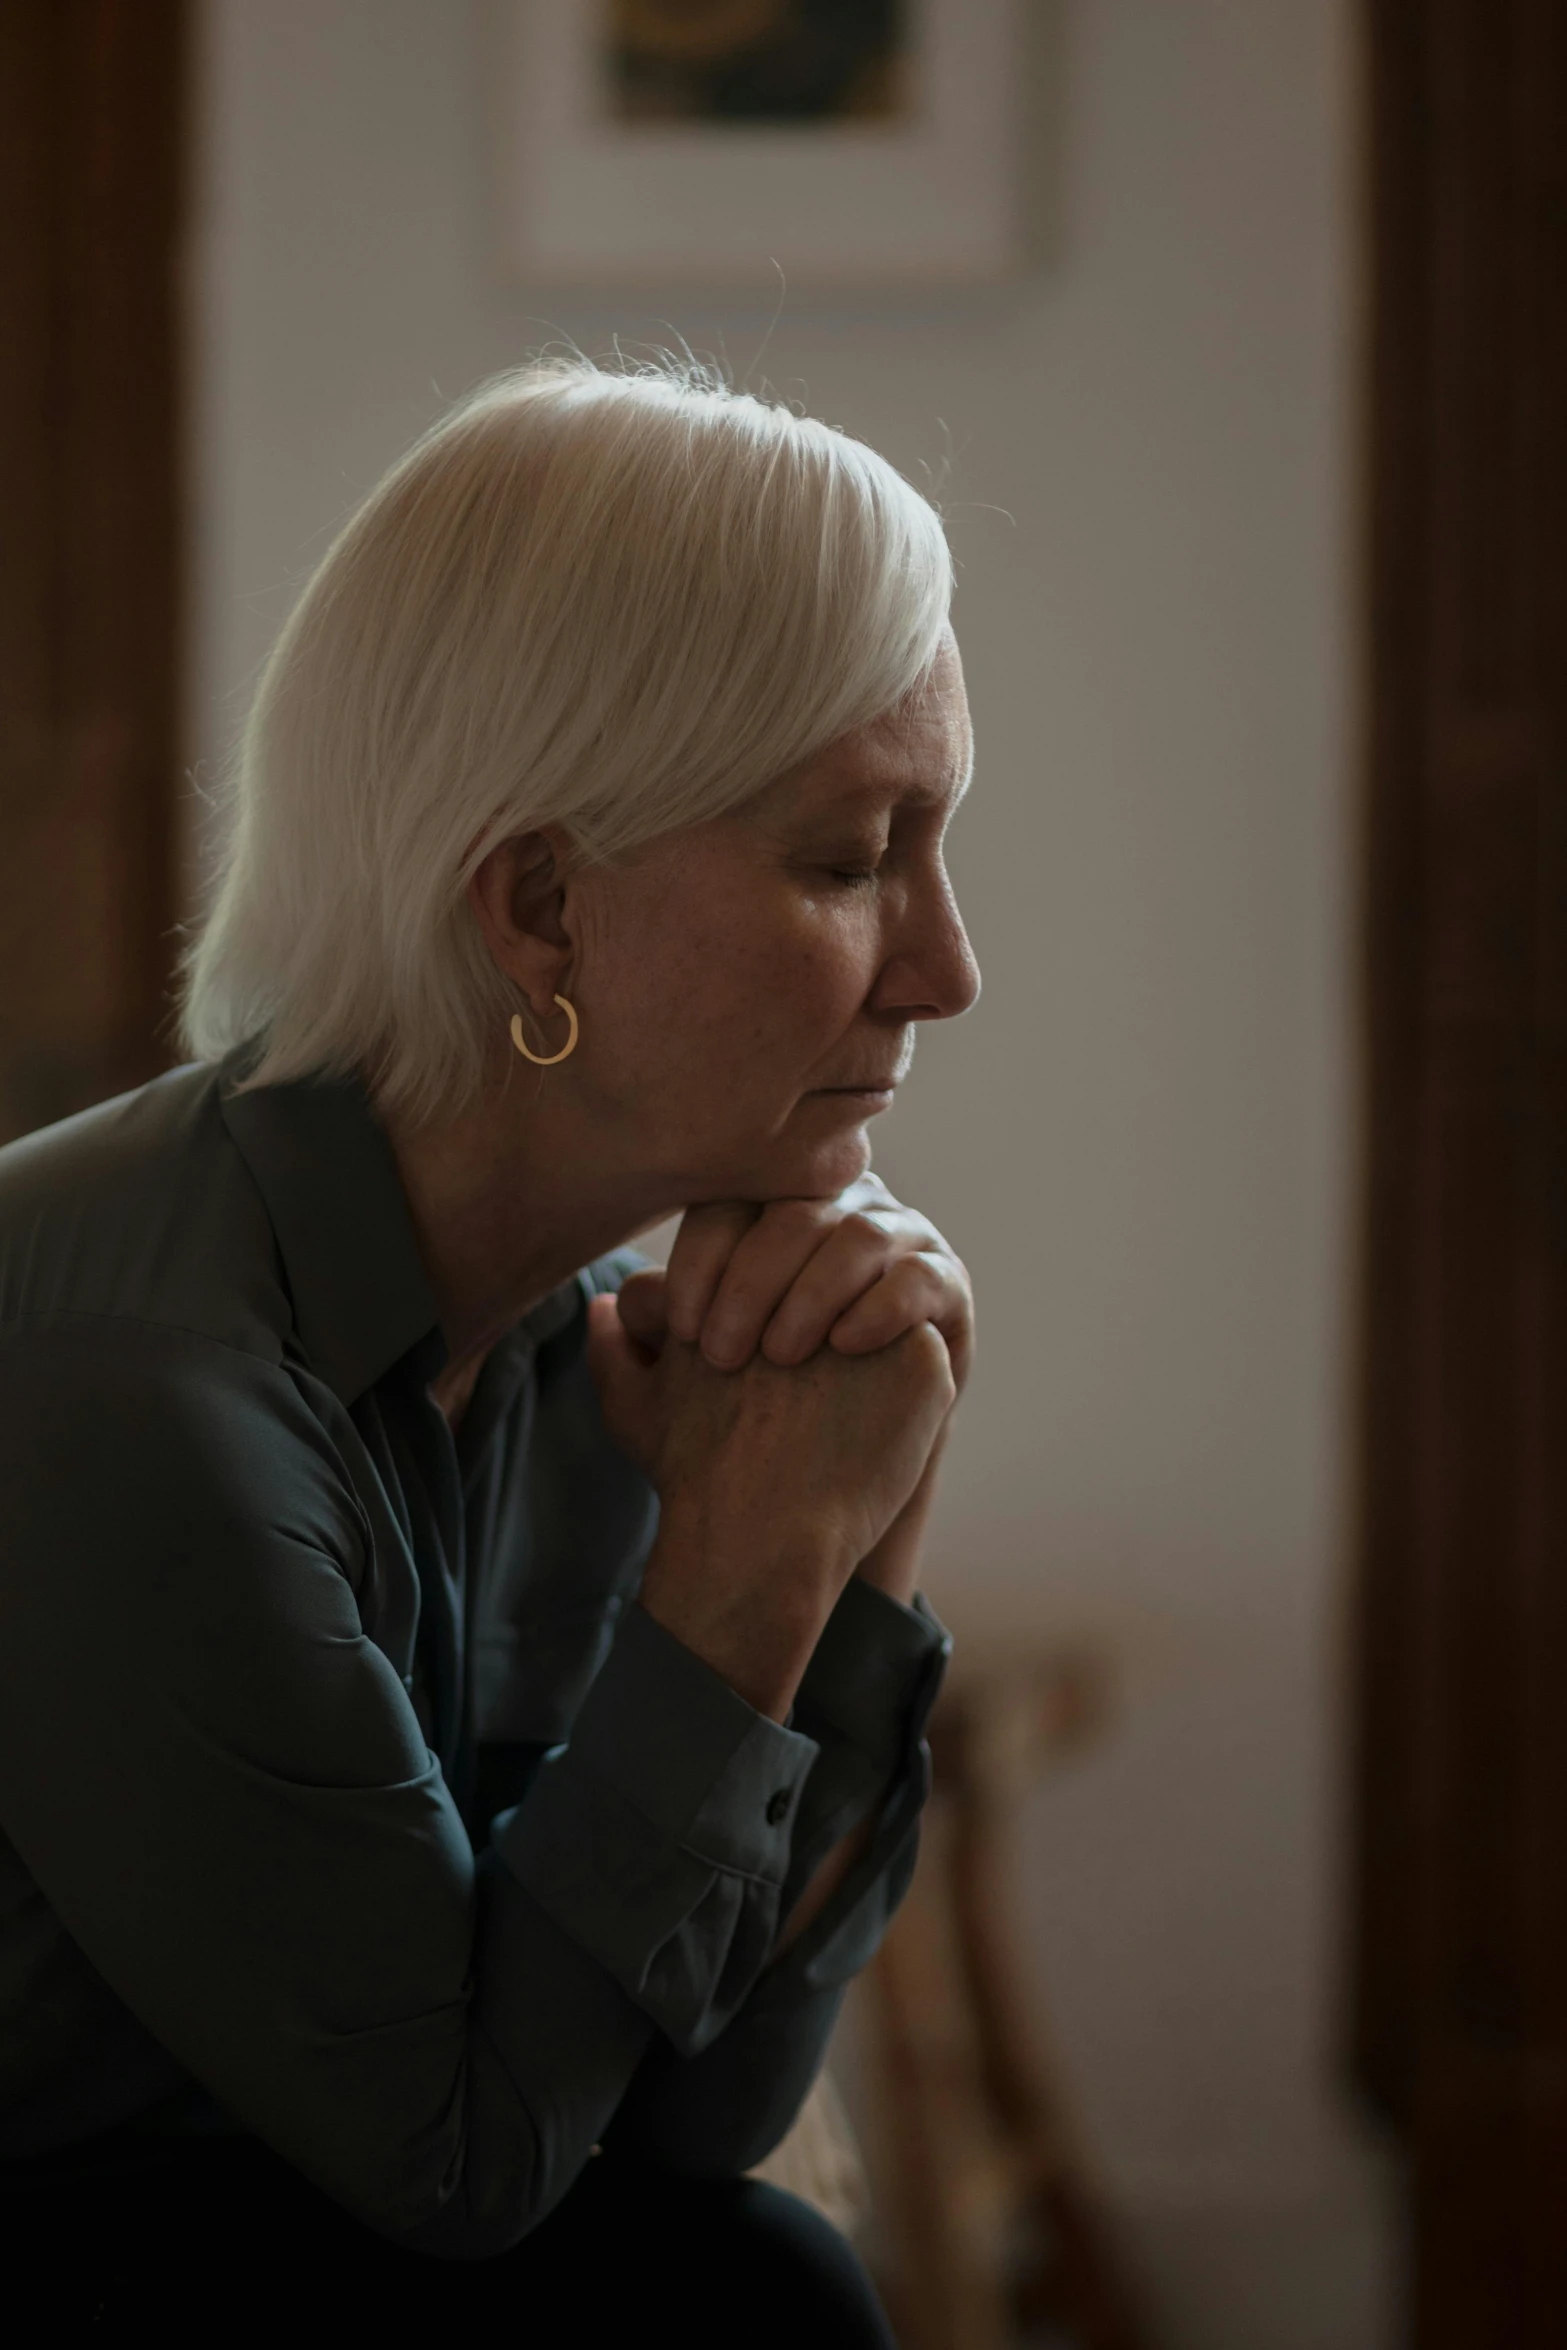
(120, 1434)
(141, 1212)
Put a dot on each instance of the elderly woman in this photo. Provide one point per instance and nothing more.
(461, 1689)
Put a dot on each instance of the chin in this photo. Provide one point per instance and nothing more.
(789, 1162)
(812, 1170)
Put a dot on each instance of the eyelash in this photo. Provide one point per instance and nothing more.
(853, 877)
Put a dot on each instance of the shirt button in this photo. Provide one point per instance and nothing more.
(777, 1806)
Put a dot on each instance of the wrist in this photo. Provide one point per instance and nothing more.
(752, 1607)
(893, 1565)
(743, 1544)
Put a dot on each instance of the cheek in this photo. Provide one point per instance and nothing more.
(752, 994)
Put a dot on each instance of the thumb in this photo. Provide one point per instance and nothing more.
(643, 1306)
(620, 1372)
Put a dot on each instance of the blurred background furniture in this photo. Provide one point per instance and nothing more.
(820, 2159)
(995, 2234)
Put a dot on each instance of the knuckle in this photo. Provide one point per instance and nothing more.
(920, 1271)
(794, 1215)
(925, 1348)
(949, 1272)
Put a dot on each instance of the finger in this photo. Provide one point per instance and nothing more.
(851, 1259)
(642, 1303)
(869, 1191)
(627, 1383)
(760, 1274)
(928, 1287)
(706, 1241)
(612, 1356)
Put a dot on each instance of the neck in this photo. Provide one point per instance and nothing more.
(508, 1200)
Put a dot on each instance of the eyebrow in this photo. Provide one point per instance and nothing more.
(862, 796)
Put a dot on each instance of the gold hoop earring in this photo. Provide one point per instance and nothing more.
(546, 1060)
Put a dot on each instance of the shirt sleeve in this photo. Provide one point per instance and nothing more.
(660, 1837)
(865, 1700)
(220, 1786)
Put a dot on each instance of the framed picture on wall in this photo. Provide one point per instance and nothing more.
(853, 143)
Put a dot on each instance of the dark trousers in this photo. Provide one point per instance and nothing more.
(215, 2240)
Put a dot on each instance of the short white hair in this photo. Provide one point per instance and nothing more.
(618, 602)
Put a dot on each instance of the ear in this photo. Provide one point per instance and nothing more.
(518, 900)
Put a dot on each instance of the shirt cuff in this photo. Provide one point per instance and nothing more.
(865, 1699)
(660, 1835)
(875, 1673)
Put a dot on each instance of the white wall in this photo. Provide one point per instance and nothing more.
(1140, 1138)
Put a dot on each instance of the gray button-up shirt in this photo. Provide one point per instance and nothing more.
(347, 1794)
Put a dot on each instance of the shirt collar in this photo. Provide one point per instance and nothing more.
(325, 1171)
(362, 1300)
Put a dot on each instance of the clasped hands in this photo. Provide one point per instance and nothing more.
(854, 1272)
(786, 1386)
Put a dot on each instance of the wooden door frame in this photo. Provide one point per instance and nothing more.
(93, 146)
(1460, 1888)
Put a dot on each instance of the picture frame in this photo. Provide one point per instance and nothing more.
(629, 155)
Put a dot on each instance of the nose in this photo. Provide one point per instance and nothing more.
(930, 972)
